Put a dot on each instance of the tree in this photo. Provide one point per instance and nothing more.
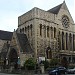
(64, 62)
(46, 64)
(30, 64)
(54, 62)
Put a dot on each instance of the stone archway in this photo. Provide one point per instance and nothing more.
(13, 57)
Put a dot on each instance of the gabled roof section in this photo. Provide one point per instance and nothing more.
(24, 43)
(56, 9)
(5, 35)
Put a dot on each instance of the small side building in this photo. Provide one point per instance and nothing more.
(5, 38)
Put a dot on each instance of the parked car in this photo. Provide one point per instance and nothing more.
(58, 71)
(71, 71)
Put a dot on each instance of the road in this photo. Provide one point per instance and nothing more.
(8, 74)
(34, 74)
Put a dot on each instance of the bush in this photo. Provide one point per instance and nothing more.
(46, 64)
(64, 62)
(54, 62)
(30, 64)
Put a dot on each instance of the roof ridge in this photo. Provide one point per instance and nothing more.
(5, 31)
(5, 35)
(55, 9)
(24, 43)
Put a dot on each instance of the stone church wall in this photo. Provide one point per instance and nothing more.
(2, 44)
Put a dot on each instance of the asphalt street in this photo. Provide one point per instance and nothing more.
(34, 74)
(8, 74)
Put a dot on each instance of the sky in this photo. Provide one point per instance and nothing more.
(10, 10)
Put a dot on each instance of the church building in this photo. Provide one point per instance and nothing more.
(48, 34)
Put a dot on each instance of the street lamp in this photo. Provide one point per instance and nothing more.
(18, 60)
(18, 57)
(6, 61)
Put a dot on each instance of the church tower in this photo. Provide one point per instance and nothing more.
(50, 33)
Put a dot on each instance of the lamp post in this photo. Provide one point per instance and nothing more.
(18, 62)
(6, 61)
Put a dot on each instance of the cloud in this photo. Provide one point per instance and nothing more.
(46, 4)
(74, 11)
(11, 9)
(9, 22)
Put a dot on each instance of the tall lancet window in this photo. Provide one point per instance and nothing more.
(59, 41)
(31, 29)
(22, 30)
(25, 29)
(66, 41)
(47, 31)
(51, 32)
(63, 47)
(54, 32)
(73, 42)
(40, 29)
(28, 31)
(70, 41)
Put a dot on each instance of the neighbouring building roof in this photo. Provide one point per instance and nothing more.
(24, 43)
(5, 35)
(55, 10)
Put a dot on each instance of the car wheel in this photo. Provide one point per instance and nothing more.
(74, 72)
(65, 73)
(56, 73)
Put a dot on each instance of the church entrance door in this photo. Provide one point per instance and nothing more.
(13, 58)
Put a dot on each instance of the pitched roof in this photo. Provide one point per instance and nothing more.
(5, 35)
(24, 43)
(55, 10)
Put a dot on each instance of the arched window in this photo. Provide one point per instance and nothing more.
(70, 41)
(40, 29)
(62, 40)
(47, 31)
(51, 32)
(73, 43)
(66, 41)
(31, 29)
(28, 30)
(48, 53)
(25, 29)
(20, 30)
(70, 37)
(59, 41)
(54, 32)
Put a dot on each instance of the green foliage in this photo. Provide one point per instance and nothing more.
(30, 64)
(64, 62)
(46, 64)
(54, 62)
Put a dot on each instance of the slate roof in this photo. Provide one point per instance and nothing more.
(55, 10)
(5, 35)
(24, 43)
